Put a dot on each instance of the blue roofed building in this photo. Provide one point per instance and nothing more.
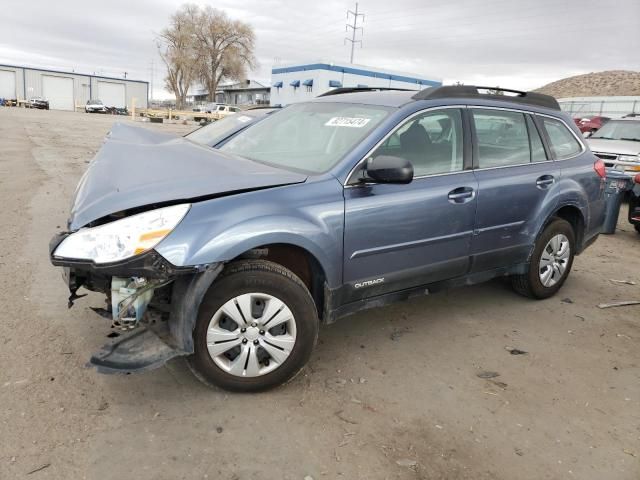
(303, 81)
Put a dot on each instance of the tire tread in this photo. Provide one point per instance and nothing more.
(524, 284)
(249, 267)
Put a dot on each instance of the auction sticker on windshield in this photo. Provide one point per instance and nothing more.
(352, 122)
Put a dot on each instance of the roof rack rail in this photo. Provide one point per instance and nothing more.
(341, 90)
(471, 91)
(261, 107)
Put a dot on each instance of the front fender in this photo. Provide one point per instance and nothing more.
(309, 216)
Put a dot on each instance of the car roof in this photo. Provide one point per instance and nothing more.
(383, 98)
(459, 94)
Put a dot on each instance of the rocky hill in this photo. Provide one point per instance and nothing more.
(612, 82)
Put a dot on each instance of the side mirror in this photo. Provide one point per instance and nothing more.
(389, 169)
(587, 134)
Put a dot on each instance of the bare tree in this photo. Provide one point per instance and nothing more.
(177, 46)
(225, 49)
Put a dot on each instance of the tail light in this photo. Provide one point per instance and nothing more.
(600, 168)
(637, 179)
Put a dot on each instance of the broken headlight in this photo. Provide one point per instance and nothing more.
(123, 238)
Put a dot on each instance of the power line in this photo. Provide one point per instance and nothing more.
(354, 28)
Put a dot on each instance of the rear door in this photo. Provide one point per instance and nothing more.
(402, 236)
(515, 175)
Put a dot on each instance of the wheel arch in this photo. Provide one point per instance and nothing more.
(574, 216)
(301, 261)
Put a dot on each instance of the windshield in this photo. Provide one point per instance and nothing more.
(619, 130)
(95, 102)
(312, 137)
(215, 132)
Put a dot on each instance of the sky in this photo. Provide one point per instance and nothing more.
(520, 44)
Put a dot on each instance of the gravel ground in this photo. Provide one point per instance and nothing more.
(389, 393)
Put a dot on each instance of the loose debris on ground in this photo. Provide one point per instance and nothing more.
(619, 304)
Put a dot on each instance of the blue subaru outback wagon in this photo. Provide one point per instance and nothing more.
(233, 257)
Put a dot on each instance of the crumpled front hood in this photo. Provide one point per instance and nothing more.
(137, 167)
(620, 147)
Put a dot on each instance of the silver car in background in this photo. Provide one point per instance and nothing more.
(617, 143)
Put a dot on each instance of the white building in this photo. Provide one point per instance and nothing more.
(296, 83)
(66, 90)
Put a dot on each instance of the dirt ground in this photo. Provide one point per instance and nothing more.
(392, 393)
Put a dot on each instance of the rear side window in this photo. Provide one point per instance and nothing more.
(502, 138)
(563, 143)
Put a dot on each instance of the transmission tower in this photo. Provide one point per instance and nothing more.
(354, 28)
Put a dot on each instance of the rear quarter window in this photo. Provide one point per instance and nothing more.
(563, 143)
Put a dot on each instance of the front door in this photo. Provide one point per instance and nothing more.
(401, 236)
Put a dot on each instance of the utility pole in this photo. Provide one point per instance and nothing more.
(354, 28)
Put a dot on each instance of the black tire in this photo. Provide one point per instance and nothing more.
(247, 276)
(530, 284)
(637, 227)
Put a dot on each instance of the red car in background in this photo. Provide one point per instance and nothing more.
(591, 123)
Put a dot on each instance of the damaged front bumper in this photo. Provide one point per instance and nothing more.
(154, 302)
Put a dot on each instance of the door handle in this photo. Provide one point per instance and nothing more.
(545, 180)
(461, 195)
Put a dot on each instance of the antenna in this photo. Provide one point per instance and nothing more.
(354, 28)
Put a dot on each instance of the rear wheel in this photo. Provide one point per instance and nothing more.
(637, 227)
(550, 262)
(256, 328)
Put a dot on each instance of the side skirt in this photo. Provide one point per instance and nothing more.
(334, 312)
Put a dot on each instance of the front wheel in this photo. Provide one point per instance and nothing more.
(550, 262)
(637, 227)
(256, 328)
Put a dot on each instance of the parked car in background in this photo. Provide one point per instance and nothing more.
(207, 107)
(618, 144)
(37, 102)
(216, 133)
(590, 124)
(233, 256)
(95, 106)
(216, 111)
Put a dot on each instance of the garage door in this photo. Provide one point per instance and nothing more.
(7, 84)
(112, 94)
(59, 92)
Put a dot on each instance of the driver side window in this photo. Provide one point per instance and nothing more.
(432, 142)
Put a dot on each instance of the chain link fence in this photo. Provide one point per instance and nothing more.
(612, 107)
